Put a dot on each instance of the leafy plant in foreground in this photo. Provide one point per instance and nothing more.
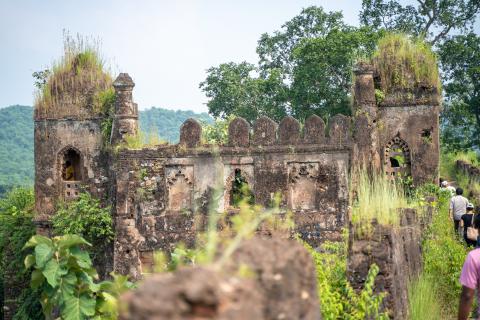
(65, 276)
(338, 299)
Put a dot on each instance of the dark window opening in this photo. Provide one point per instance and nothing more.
(71, 166)
(426, 133)
(240, 190)
(394, 163)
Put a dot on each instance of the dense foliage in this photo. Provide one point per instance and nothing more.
(65, 275)
(304, 68)
(16, 227)
(84, 217)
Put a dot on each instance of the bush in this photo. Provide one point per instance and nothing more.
(64, 274)
(85, 217)
(338, 300)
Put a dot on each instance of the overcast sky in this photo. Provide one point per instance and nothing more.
(165, 46)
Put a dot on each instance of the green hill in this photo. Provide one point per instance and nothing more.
(16, 138)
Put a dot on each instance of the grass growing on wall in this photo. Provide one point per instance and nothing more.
(378, 198)
(405, 62)
(78, 79)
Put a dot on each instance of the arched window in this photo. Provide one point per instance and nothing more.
(71, 165)
(397, 159)
(240, 190)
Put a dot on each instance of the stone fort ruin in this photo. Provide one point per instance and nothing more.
(157, 193)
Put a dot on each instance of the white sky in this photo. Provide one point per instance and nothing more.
(165, 46)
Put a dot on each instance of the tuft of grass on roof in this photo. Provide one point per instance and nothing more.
(404, 62)
(76, 81)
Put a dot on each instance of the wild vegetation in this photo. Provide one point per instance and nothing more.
(16, 227)
(405, 63)
(76, 82)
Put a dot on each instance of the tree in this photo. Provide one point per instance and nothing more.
(322, 72)
(460, 59)
(303, 68)
(234, 89)
(433, 19)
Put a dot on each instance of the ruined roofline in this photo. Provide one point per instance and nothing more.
(267, 133)
(39, 120)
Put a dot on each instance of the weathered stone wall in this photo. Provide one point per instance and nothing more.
(282, 285)
(164, 192)
(397, 253)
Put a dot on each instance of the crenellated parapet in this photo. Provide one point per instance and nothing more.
(267, 133)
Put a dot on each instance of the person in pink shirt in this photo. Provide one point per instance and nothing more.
(470, 279)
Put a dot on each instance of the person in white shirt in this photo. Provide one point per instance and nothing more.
(458, 207)
(447, 186)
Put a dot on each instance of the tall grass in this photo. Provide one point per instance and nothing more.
(376, 197)
(423, 301)
(405, 62)
(76, 81)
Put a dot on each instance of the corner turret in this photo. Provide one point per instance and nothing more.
(125, 122)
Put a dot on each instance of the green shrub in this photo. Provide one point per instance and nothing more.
(338, 300)
(64, 274)
(85, 217)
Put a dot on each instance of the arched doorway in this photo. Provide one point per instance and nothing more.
(397, 159)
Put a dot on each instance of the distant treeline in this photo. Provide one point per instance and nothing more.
(16, 138)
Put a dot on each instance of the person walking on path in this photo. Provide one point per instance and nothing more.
(447, 186)
(467, 222)
(458, 207)
(470, 279)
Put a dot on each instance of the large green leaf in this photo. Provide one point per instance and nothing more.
(71, 240)
(29, 261)
(108, 305)
(36, 240)
(82, 258)
(78, 307)
(53, 271)
(43, 253)
(37, 279)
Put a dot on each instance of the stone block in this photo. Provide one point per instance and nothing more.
(339, 129)
(314, 132)
(289, 131)
(190, 133)
(264, 132)
(239, 133)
